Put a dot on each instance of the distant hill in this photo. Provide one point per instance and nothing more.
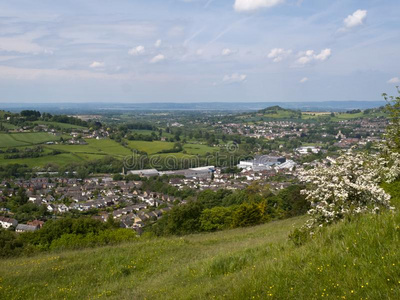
(280, 113)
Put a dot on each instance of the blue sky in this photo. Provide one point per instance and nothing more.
(198, 50)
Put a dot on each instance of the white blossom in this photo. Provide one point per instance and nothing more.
(350, 186)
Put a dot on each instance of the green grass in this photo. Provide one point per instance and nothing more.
(60, 159)
(99, 147)
(150, 147)
(351, 260)
(61, 125)
(198, 149)
(25, 139)
(8, 125)
(7, 140)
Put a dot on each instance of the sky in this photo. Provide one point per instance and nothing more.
(198, 50)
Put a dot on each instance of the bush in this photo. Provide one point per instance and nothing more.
(216, 218)
(247, 214)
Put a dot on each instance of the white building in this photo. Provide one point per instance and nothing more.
(8, 222)
(307, 150)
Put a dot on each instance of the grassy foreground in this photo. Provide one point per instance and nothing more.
(357, 260)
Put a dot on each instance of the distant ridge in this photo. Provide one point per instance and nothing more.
(198, 106)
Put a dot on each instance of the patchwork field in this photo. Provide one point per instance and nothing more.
(95, 149)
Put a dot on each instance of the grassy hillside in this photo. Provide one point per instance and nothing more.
(25, 139)
(357, 260)
(60, 125)
(100, 147)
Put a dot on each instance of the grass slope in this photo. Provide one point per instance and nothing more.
(98, 147)
(150, 147)
(357, 260)
(24, 139)
(60, 125)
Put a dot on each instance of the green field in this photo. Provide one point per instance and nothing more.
(8, 125)
(198, 149)
(95, 149)
(25, 139)
(150, 147)
(60, 159)
(99, 147)
(61, 125)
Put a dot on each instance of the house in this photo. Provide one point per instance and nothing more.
(8, 222)
(307, 150)
(62, 208)
(26, 228)
(36, 223)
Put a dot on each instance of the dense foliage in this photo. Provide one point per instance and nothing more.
(66, 233)
(226, 209)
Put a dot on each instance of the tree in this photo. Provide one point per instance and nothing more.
(216, 218)
(248, 214)
(393, 129)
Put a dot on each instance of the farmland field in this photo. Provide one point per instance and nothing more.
(6, 140)
(60, 159)
(198, 149)
(150, 147)
(9, 126)
(34, 137)
(25, 139)
(61, 125)
(99, 147)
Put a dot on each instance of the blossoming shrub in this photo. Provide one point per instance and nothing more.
(351, 186)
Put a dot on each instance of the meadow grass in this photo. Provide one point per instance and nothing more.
(8, 125)
(25, 138)
(150, 147)
(61, 125)
(350, 260)
(198, 149)
(100, 147)
(60, 159)
(6, 141)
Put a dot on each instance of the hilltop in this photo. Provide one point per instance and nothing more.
(350, 260)
(279, 112)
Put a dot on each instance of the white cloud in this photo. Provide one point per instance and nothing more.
(323, 55)
(356, 19)
(394, 80)
(226, 52)
(96, 64)
(251, 5)
(199, 51)
(278, 54)
(157, 44)
(310, 56)
(303, 80)
(157, 58)
(235, 77)
(139, 50)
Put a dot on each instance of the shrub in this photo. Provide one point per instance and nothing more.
(247, 214)
(216, 218)
(348, 187)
